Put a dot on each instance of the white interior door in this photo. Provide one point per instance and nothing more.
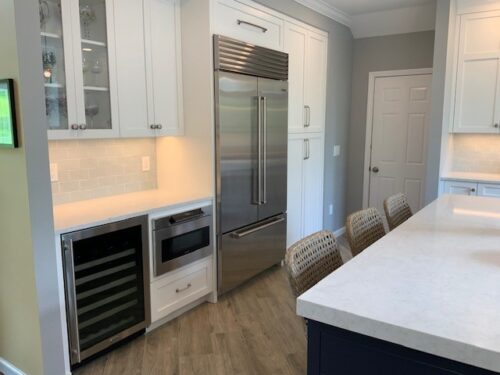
(401, 112)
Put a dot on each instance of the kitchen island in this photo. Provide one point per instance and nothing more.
(425, 299)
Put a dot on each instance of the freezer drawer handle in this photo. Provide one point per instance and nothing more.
(253, 230)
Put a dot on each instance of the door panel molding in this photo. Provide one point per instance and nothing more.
(369, 118)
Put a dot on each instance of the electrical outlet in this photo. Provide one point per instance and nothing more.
(330, 209)
(146, 164)
(54, 172)
(336, 150)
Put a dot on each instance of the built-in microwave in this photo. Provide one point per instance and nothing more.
(181, 239)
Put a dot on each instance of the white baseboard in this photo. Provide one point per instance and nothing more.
(9, 369)
(339, 232)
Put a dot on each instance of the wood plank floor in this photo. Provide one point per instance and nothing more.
(252, 330)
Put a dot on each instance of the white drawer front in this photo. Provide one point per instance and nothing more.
(460, 188)
(248, 24)
(489, 190)
(180, 288)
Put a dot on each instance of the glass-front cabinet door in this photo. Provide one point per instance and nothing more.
(77, 53)
(55, 33)
(96, 84)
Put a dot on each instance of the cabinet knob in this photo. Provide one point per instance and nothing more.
(496, 125)
(74, 126)
(82, 126)
(473, 190)
(152, 126)
(375, 169)
(159, 126)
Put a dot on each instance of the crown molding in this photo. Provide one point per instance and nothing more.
(327, 10)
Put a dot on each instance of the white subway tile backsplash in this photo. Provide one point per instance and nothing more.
(479, 153)
(91, 169)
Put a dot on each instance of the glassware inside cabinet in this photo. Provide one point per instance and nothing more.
(94, 46)
(54, 75)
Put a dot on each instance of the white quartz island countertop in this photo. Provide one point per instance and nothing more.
(433, 284)
(85, 214)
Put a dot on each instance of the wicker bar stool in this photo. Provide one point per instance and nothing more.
(397, 210)
(364, 228)
(311, 259)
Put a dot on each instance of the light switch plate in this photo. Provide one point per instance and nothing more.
(336, 150)
(146, 164)
(54, 172)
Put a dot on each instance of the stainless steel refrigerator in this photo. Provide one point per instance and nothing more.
(251, 108)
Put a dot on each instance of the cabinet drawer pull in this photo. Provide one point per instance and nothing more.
(183, 289)
(307, 122)
(264, 30)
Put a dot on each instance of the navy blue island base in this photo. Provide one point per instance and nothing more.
(335, 351)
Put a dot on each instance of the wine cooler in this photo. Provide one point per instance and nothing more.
(106, 278)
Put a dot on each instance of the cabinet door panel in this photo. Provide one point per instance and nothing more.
(247, 23)
(315, 83)
(489, 190)
(131, 69)
(313, 185)
(460, 188)
(295, 46)
(161, 30)
(296, 154)
(58, 73)
(477, 98)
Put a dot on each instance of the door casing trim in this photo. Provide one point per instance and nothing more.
(369, 119)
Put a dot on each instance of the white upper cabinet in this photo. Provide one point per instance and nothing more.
(147, 39)
(316, 76)
(111, 68)
(295, 46)
(307, 51)
(248, 22)
(477, 99)
(163, 52)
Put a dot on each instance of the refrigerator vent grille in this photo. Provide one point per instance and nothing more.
(234, 56)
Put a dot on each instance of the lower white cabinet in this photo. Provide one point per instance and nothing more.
(181, 287)
(305, 185)
(472, 188)
(460, 187)
(489, 190)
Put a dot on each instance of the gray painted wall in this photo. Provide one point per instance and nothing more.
(393, 52)
(441, 97)
(338, 99)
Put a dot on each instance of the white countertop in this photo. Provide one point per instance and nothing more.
(471, 176)
(433, 284)
(79, 215)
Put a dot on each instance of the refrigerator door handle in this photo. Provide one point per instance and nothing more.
(258, 201)
(264, 121)
(264, 225)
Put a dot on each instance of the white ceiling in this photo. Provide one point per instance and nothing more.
(356, 7)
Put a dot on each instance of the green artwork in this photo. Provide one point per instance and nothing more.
(7, 135)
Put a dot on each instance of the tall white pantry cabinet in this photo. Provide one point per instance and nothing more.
(307, 49)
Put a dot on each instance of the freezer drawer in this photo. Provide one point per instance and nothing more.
(248, 251)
